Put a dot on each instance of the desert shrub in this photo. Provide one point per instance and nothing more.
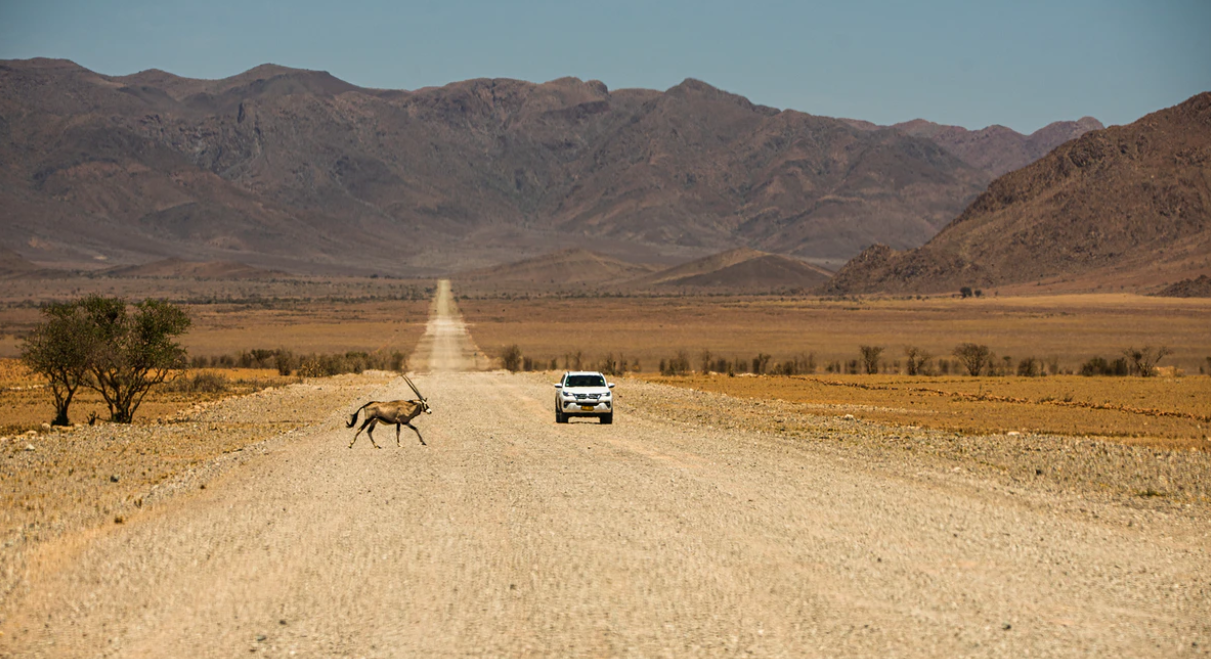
(915, 360)
(609, 365)
(511, 358)
(965, 292)
(1030, 368)
(204, 382)
(397, 361)
(679, 365)
(573, 361)
(1100, 366)
(1143, 362)
(974, 357)
(704, 359)
(325, 365)
(285, 362)
(760, 363)
(258, 358)
(799, 365)
(870, 358)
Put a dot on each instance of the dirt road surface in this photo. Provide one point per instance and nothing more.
(511, 536)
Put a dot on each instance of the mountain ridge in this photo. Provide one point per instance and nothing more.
(995, 149)
(294, 169)
(1123, 206)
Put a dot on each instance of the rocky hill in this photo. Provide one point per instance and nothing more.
(1200, 287)
(296, 170)
(738, 270)
(994, 150)
(568, 270)
(574, 271)
(1125, 207)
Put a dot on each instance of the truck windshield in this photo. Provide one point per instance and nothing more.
(585, 381)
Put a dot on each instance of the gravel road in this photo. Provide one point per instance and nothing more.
(662, 535)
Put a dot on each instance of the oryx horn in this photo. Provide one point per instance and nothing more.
(418, 393)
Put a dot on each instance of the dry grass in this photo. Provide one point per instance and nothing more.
(25, 404)
(1070, 329)
(1168, 412)
(320, 327)
(303, 327)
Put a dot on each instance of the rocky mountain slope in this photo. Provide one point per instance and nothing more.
(1124, 207)
(297, 170)
(994, 150)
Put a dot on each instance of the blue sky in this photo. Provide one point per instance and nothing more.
(1021, 64)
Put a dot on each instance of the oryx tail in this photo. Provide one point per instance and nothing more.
(353, 419)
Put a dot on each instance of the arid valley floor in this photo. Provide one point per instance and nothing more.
(826, 514)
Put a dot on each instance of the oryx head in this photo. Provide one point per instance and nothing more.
(424, 402)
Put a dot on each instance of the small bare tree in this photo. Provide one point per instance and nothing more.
(915, 360)
(975, 357)
(1143, 362)
(704, 359)
(870, 358)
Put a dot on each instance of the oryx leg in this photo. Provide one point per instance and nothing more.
(368, 426)
(397, 444)
(422, 439)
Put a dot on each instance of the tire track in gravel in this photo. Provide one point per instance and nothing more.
(512, 536)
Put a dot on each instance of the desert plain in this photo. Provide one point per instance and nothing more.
(1098, 469)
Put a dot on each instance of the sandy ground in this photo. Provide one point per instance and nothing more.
(511, 536)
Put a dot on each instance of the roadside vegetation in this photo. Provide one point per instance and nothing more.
(104, 344)
(1128, 368)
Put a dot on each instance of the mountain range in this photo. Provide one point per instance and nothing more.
(1128, 207)
(299, 171)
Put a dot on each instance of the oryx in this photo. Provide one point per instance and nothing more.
(399, 412)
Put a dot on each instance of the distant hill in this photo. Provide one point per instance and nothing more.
(567, 270)
(1200, 287)
(193, 269)
(297, 170)
(1127, 206)
(11, 263)
(738, 270)
(994, 150)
